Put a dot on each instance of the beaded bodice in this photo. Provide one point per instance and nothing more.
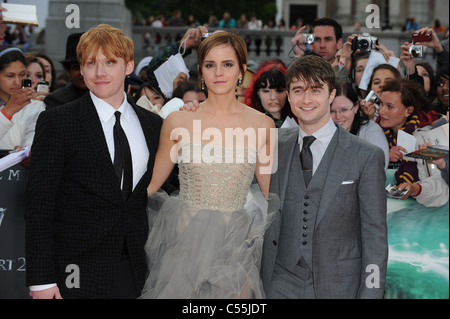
(214, 177)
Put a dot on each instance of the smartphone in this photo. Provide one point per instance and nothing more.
(421, 37)
(26, 83)
(42, 86)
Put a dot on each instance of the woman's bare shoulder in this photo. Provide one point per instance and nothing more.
(257, 119)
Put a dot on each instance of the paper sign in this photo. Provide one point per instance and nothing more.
(375, 59)
(168, 71)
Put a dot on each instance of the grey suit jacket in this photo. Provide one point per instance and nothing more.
(349, 242)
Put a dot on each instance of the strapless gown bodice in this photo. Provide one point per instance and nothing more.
(215, 177)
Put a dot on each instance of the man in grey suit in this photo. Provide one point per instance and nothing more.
(330, 238)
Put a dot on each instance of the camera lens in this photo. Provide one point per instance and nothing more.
(363, 45)
(414, 53)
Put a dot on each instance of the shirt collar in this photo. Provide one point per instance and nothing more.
(106, 111)
(324, 134)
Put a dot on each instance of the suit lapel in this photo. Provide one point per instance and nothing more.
(286, 155)
(92, 126)
(338, 160)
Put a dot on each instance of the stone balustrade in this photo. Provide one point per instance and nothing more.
(262, 44)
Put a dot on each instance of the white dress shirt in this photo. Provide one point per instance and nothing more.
(132, 128)
(323, 138)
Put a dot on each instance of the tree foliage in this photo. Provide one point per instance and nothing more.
(203, 9)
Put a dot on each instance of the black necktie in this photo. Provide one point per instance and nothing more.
(306, 158)
(122, 158)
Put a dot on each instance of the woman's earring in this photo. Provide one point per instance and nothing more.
(239, 82)
(203, 84)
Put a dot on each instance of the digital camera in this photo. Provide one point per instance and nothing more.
(373, 97)
(205, 36)
(416, 50)
(364, 42)
(309, 38)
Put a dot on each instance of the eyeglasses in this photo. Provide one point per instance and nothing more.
(343, 110)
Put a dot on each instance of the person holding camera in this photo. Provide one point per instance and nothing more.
(380, 74)
(18, 107)
(326, 40)
(76, 87)
(426, 37)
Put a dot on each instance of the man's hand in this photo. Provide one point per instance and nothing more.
(193, 37)
(298, 42)
(50, 293)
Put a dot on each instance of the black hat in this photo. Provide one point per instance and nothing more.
(71, 48)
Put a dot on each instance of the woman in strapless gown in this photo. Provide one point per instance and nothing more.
(207, 241)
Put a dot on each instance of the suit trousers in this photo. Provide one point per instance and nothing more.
(123, 286)
(297, 283)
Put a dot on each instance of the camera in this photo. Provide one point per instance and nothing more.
(205, 36)
(421, 37)
(26, 83)
(373, 97)
(42, 86)
(416, 51)
(364, 42)
(309, 38)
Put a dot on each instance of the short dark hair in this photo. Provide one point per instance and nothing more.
(410, 91)
(332, 23)
(10, 57)
(312, 69)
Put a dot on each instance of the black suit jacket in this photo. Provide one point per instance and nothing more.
(75, 212)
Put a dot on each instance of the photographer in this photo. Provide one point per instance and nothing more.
(440, 51)
(380, 75)
(358, 48)
(191, 40)
(327, 39)
(19, 110)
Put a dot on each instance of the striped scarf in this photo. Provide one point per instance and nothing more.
(407, 172)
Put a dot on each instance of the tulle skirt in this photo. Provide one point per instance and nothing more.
(206, 254)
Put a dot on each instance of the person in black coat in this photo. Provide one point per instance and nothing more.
(76, 88)
(85, 234)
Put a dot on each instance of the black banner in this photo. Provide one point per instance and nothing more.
(13, 184)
